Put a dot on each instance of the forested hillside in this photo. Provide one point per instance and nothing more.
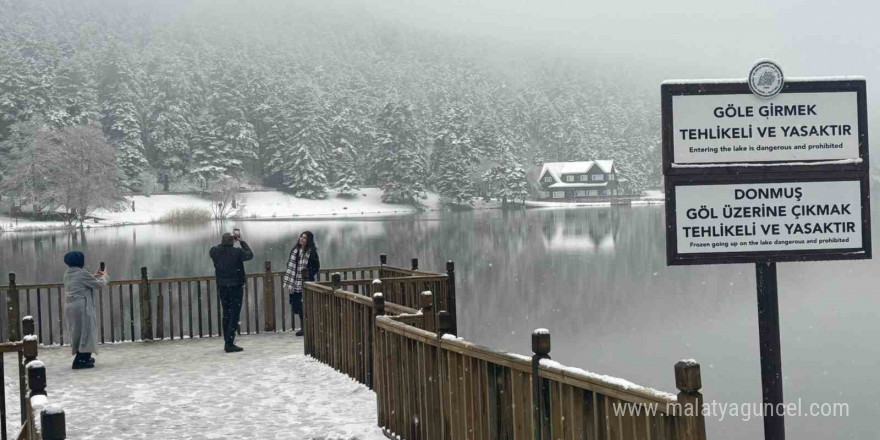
(309, 98)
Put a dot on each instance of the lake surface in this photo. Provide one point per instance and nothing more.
(595, 277)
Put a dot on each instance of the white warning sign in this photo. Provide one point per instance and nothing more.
(759, 217)
(791, 127)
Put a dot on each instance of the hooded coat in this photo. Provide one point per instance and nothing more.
(82, 289)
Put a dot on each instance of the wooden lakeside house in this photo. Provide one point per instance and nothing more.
(570, 181)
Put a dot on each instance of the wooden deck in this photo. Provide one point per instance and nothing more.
(393, 330)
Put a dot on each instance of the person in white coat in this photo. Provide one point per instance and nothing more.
(82, 289)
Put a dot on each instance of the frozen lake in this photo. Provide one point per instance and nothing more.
(596, 277)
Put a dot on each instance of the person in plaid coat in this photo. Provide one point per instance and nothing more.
(303, 255)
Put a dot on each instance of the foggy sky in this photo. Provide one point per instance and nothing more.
(672, 39)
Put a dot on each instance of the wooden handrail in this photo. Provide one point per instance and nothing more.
(523, 364)
(422, 276)
(360, 299)
(11, 347)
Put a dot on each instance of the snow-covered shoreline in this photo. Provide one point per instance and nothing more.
(257, 205)
(270, 205)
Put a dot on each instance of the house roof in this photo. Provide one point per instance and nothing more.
(557, 169)
(579, 185)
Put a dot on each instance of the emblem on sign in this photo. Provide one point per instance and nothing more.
(765, 79)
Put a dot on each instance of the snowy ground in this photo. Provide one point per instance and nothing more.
(192, 389)
(255, 205)
(648, 199)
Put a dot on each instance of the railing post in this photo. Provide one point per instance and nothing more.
(36, 375)
(444, 323)
(377, 286)
(415, 264)
(27, 325)
(13, 312)
(146, 307)
(52, 423)
(27, 354)
(691, 423)
(160, 314)
(427, 310)
(269, 299)
(378, 305)
(378, 310)
(540, 392)
(336, 280)
(383, 260)
(304, 273)
(450, 300)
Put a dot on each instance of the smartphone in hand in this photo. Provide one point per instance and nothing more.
(236, 233)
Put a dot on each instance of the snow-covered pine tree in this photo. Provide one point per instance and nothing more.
(398, 166)
(208, 161)
(506, 179)
(305, 177)
(301, 146)
(454, 157)
(275, 143)
(75, 94)
(342, 165)
(123, 129)
(237, 140)
(235, 135)
(343, 173)
(167, 119)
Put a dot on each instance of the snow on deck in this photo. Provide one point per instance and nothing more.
(192, 389)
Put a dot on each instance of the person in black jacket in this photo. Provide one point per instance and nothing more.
(229, 270)
(303, 255)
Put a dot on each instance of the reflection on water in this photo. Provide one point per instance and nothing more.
(596, 277)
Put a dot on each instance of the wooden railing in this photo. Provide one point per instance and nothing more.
(339, 327)
(39, 420)
(188, 307)
(432, 385)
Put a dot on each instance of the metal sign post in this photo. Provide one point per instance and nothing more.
(764, 170)
(771, 352)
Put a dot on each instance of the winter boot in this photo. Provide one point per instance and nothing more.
(86, 356)
(232, 348)
(81, 362)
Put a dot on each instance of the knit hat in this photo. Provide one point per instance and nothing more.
(75, 259)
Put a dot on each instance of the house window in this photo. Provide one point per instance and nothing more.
(611, 177)
(543, 195)
(597, 177)
(584, 177)
(593, 193)
(558, 194)
(548, 179)
(580, 193)
(569, 178)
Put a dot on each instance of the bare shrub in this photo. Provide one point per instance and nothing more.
(189, 215)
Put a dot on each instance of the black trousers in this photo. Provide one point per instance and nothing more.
(230, 298)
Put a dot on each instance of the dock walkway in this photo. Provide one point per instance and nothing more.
(192, 389)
